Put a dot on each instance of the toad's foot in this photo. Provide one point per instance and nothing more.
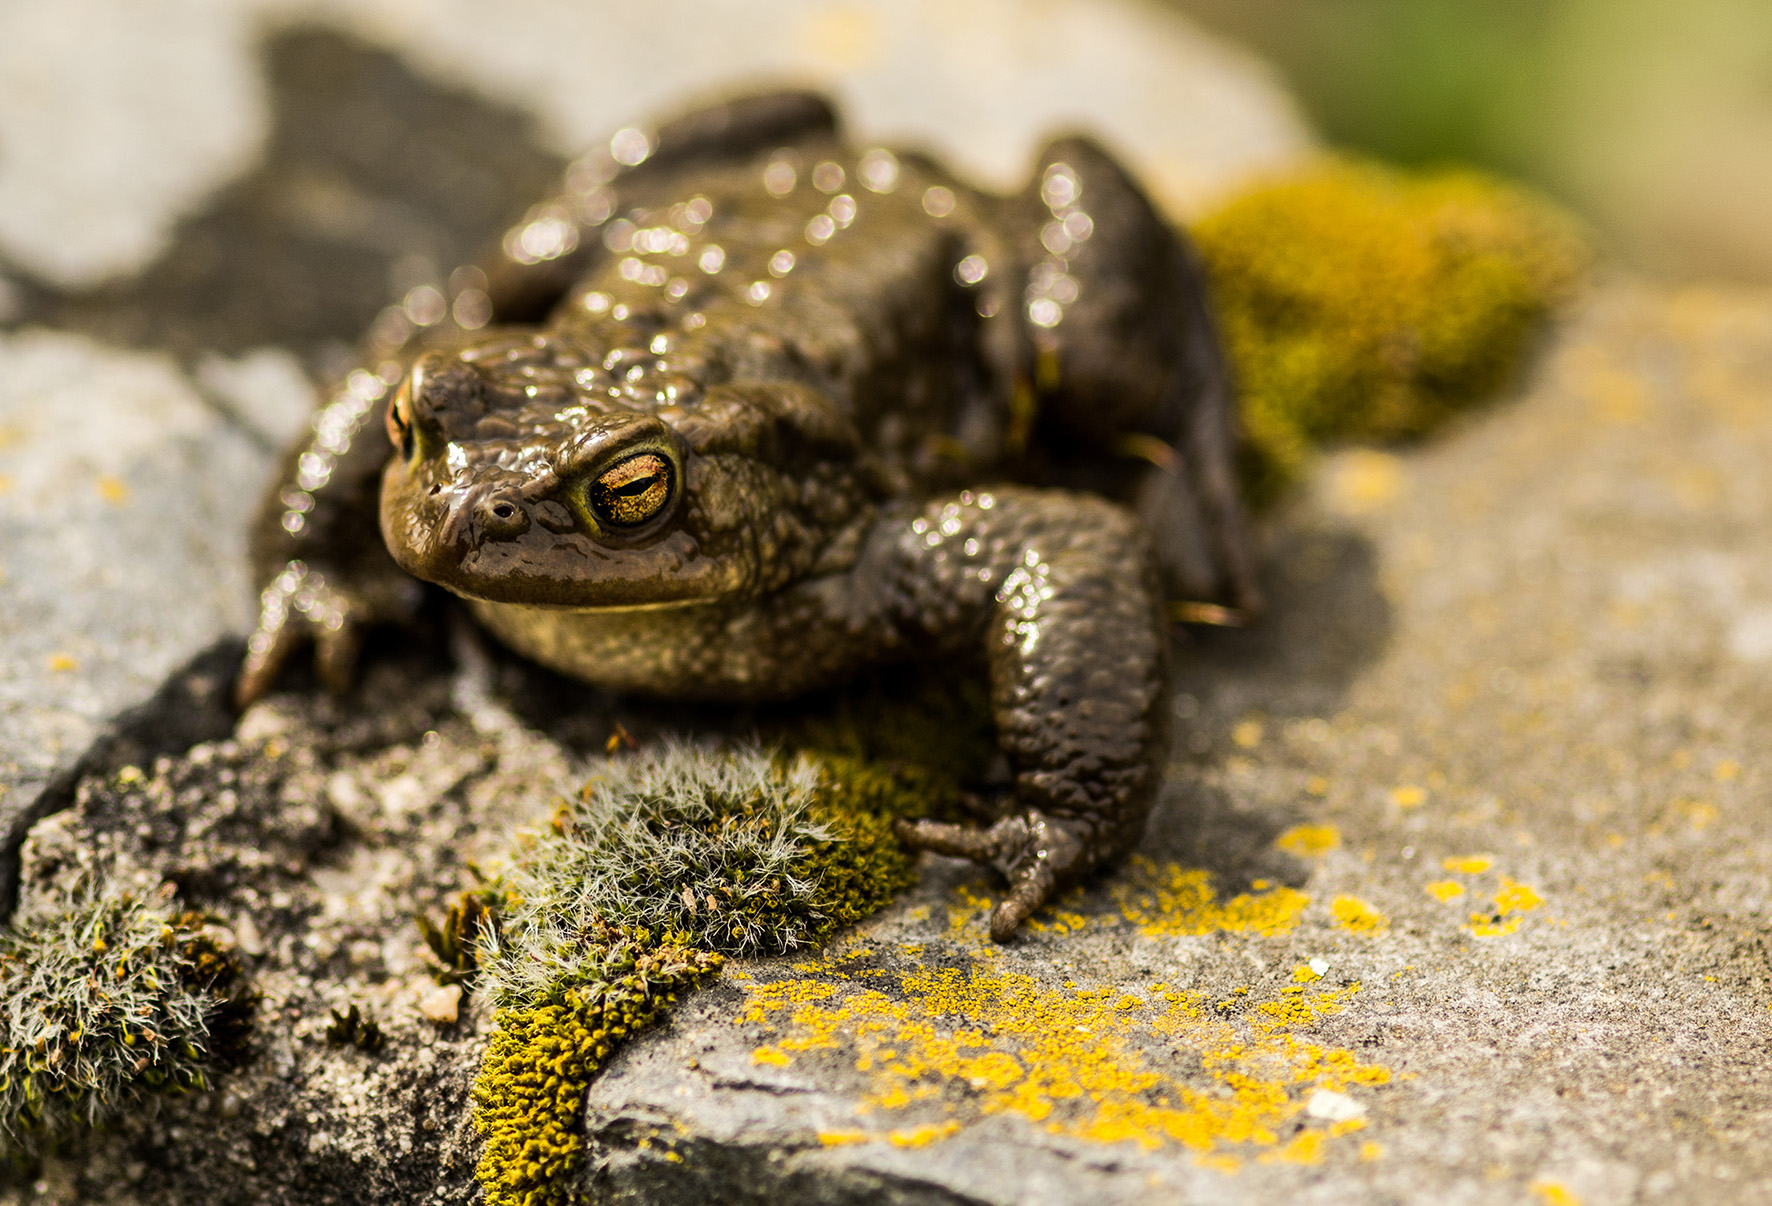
(1038, 854)
(301, 605)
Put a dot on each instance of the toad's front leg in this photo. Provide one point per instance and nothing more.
(1062, 590)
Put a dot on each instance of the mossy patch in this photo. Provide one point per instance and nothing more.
(1362, 303)
(110, 998)
(546, 1049)
(659, 867)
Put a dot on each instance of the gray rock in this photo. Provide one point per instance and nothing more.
(1458, 892)
(311, 841)
(121, 547)
(264, 391)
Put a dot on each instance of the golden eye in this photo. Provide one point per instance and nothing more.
(400, 422)
(633, 491)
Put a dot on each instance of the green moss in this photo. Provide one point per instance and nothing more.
(109, 998)
(1360, 303)
(545, 1051)
(742, 853)
(353, 1028)
(860, 867)
(455, 942)
(661, 865)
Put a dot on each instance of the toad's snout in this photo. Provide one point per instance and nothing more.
(481, 515)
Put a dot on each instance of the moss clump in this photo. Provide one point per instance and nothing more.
(1362, 303)
(112, 997)
(742, 853)
(657, 869)
(455, 942)
(546, 1049)
(353, 1028)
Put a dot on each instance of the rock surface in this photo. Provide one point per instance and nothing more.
(119, 559)
(310, 839)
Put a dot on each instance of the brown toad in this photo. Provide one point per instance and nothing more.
(757, 410)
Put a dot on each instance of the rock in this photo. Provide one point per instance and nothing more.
(321, 911)
(265, 391)
(442, 1004)
(168, 106)
(121, 553)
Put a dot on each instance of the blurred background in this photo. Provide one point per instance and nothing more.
(118, 121)
(1652, 118)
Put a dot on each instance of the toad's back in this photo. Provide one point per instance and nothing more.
(858, 275)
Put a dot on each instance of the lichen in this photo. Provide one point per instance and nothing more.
(1168, 900)
(1352, 913)
(1361, 303)
(659, 867)
(952, 1046)
(111, 997)
(1504, 915)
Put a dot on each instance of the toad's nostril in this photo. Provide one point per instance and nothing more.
(500, 518)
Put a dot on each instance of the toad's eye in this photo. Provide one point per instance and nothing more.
(633, 491)
(399, 418)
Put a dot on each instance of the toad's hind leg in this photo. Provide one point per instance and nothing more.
(1130, 369)
(1060, 589)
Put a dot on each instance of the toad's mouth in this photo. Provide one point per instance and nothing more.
(568, 571)
(591, 609)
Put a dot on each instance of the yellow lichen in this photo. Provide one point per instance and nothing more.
(1555, 1193)
(1352, 913)
(1469, 864)
(956, 1045)
(923, 1136)
(1309, 841)
(1444, 890)
(1361, 303)
(541, 1058)
(1407, 796)
(1511, 900)
(1516, 897)
(1171, 900)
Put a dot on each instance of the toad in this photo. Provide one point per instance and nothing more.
(747, 409)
